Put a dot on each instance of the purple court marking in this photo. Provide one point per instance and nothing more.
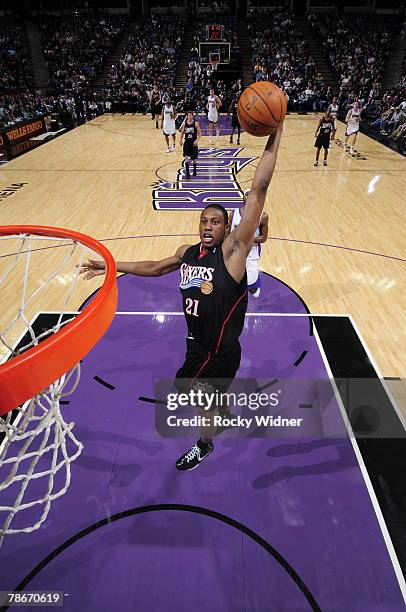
(307, 498)
(216, 181)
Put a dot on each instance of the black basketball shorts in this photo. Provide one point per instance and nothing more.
(190, 151)
(206, 370)
(322, 141)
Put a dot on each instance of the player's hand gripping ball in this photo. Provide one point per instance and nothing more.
(261, 108)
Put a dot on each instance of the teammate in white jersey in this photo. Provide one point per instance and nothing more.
(213, 105)
(352, 120)
(253, 258)
(334, 108)
(168, 125)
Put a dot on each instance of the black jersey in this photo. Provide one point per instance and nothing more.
(213, 302)
(327, 125)
(190, 132)
(155, 97)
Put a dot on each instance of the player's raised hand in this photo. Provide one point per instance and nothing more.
(92, 268)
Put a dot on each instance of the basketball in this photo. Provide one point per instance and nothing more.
(261, 108)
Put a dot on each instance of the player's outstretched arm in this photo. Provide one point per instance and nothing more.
(238, 243)
(140, 268)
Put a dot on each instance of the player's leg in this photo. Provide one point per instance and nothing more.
(253, 278)
(216, 125)
(210, 131)
(325, 154)
(174, 139)
(353, 143)
(194, 157)
(168, 148)
(187, 166)
(157, 116)
(318, 149)
(218, 376)
(232, 134)
(238, 134)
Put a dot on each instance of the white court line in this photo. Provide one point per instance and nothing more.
(379, 374)
(364, 472)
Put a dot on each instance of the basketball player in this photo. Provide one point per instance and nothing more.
(352, 120)
(253, 257)
(234, 119)
(334, 108)
(156, 105)
(213, 283)
(168, 124)
(213, 105)
(322, 135)
(191, 132)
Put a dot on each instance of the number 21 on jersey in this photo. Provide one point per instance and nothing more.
(192, 306)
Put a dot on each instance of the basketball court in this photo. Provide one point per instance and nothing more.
(268, 522)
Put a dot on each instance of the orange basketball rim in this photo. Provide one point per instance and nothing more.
(24, 376)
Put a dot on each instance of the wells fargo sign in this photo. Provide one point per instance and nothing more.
(23, 131)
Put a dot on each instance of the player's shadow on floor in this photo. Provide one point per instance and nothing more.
(345, 461)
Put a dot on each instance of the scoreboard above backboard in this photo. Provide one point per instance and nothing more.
(215, 32)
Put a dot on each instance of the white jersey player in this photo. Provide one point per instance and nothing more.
(253, 258)
(334, 108)
(213, 105)
(352, 120)
(168, 125)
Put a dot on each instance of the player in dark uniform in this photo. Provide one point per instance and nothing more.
(235, 124)
(213, 284)
(191, 132)
(156, 105)
(323, 133)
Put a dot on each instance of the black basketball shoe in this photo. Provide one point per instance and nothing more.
(193, 457)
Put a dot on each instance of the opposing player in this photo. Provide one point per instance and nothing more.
(156, 105)
(352, 120)
(168, 124)
(254, 256)
(334, 108)
(235, 124)
(213, 283)
(213, 105)
(322, 135)
(191, 132)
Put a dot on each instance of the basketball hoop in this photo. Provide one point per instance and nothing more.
(214, 64)
(36, 443)
(214, 60)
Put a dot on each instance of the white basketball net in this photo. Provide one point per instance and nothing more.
(37, 445)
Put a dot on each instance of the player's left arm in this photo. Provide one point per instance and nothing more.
(318, 127)
(182, 133)
(162, 119)
(218, 102)
(263, 229)
(239, 242)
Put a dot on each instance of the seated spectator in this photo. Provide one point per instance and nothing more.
(16, 69)
(280, 55)
(76, 48)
